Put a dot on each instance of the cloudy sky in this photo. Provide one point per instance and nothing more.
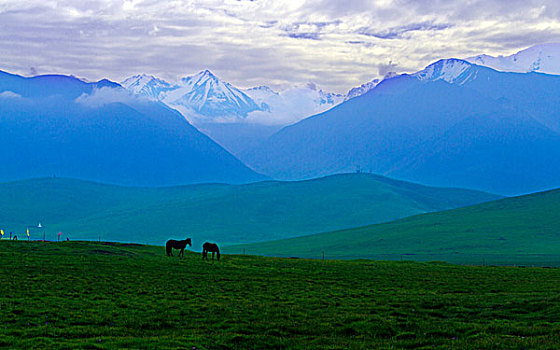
(335, 43)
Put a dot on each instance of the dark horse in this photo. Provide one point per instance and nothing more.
(177, 245)
(212, 248)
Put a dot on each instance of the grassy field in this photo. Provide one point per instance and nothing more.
(106, 296)
(224, 213)
(522, 230)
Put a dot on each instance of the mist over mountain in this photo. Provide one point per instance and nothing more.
(236, 119)
(204, 98)
(62, 126)
(451, 124)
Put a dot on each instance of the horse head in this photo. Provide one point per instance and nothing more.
(189, 242)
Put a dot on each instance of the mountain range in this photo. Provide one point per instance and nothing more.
(544, 58)
(452, 124)
(236, 119)
(240, 120)
(63, 126)
(205, 98)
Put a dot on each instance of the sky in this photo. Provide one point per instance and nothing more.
(336, 44)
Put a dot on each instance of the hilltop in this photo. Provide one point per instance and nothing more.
(223, 213)
(520, 230)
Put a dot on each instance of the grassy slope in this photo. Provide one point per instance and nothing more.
(223, 213)
(520, 230)
(108, 296)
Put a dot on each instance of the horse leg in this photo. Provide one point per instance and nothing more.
(212, 256)
(182, 253)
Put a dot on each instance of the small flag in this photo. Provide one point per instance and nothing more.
(59, 233)
(2, 233)
(27, 232)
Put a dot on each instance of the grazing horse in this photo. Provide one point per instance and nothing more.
(177, 245)
(212, 248)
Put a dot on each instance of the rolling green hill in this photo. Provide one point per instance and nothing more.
(520, 230)
(223, 213)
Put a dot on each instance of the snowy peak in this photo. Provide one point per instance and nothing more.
(199, 78)
(451, 70)
(208, 96)
(362, 89)
(204, 97)
(543, 58)
(146, 85)
(259, 92)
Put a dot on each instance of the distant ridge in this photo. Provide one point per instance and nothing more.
(224, 213)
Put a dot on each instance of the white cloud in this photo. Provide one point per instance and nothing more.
(9, 94)
(338, 44)
(289, 106)
(106, 95)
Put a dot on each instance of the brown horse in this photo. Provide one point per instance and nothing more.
(212, 248)
(177, 245)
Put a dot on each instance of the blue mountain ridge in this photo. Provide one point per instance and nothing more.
(60, 125)
(452, 124)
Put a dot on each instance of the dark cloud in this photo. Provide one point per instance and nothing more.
(400, 31)
(384, 69)
(311, 36)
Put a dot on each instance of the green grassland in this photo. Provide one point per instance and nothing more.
(104, 296)
(521, 230)
(223, 213)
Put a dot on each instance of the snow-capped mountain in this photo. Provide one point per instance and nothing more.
(451, 70)
(200, 97)
(146, 85)
(453, 124)
(362, 89)
(203, 95)
(204, 98)
(543, 58)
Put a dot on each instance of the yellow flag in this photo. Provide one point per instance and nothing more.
(1, 232)
(27, 232)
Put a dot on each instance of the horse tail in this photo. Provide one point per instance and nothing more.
(168, 248)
